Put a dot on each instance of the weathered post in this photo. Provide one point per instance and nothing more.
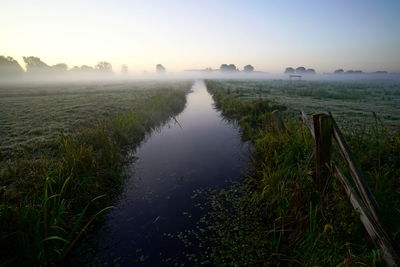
(323, 141)
(278, 123)
(373, 226)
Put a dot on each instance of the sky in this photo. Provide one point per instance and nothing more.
(183, 34)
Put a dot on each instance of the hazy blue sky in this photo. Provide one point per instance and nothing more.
(183, 34)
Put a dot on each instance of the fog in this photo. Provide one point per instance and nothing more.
(37, 70)
(117, 77)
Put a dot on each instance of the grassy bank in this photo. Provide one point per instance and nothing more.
(277, 216)
(351, 102)
(52, 191)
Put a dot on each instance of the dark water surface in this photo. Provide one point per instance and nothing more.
(200, 152)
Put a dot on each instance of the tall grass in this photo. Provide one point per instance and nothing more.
(49, 202)
(277, 216)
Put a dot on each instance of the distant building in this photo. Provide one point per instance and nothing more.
(295, 77)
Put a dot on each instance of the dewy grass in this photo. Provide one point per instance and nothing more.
(351, 102)
(277, 216)
(50, 200)
(33, 115)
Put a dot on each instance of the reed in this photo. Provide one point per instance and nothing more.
(49, 202)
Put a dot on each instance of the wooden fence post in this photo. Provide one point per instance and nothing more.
(355, 171)
(309, 125)
(323, 141)
(278, 123)
(323, 130)
(373, 226)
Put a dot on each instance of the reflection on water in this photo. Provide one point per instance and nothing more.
(201, 151)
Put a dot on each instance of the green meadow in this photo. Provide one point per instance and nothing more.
(350, 102)
(62, 152)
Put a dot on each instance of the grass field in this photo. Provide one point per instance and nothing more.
(63, 148)
(350, 102)
(38, 113)
(277, 216)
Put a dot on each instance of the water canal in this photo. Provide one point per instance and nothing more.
(201, 151)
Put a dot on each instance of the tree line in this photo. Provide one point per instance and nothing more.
(299, 70)
(303, 70)
(9, 67)
(233, 68)
(341, 71)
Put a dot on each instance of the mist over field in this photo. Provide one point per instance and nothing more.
(35, 70)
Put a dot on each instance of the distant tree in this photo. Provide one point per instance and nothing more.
(124, 69)
(300, 70)
(60, 67)
(339, 71)
(289, 70)
(160, 68)
(228, 68)
(232, 67)
(248, 68)
(223, 67)
(9, 66)
(35, 65)
(103, 66)
(358, 71)
(381, 72)
(84, 69)
(310, 71)
(350, 71)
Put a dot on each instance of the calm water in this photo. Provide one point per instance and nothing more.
(202, 151)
